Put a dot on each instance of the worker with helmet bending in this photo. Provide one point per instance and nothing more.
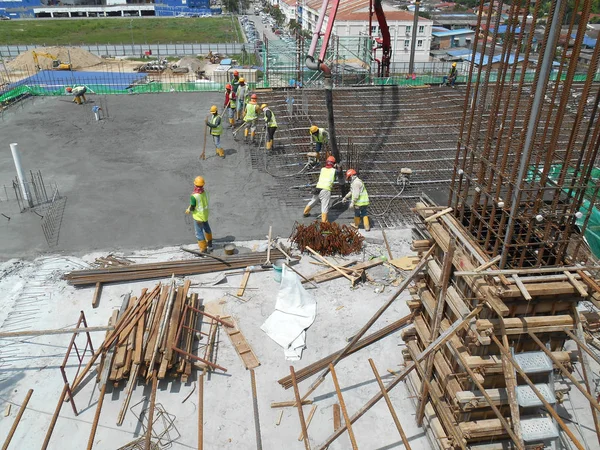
(271, 123)
(450, 79)
(251, 111)
(359, 199)
(320, 137)
(230, 103)
(199, 209)
(322, 191)
(241, 94)
(79, 94)
(216, 129)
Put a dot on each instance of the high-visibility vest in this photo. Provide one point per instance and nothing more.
(201, 211)
(218, 130)
(272, 123)
(79, 90)
(250, 112)
(320, 137)
(363, 196)
(326, 178)
(231, 100)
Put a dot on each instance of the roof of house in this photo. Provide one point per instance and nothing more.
(358, 10)
(494, 59)
(447, 33)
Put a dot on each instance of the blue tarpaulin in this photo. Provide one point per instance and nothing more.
(52, 80)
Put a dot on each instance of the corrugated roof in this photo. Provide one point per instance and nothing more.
(358, 10)
(495, 59)
(459, 52)
(460, 32)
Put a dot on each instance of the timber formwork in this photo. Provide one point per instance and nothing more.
(522, 309)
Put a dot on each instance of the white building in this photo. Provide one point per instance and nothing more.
(352, 19)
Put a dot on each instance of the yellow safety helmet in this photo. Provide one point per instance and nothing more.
(199, 181)
(314, 129)
(241, 80)
(263, 106)
(213, 109)
(453, 64)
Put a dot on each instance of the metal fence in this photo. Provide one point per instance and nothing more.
(124, 49)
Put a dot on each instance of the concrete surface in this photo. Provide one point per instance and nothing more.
(32, 362)
(127, 179)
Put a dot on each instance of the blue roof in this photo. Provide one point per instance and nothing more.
(504, 28)
(459, 52)
(587, 41)
(460, 32)
(53, 79)
(495, 59)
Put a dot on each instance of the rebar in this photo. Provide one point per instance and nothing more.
(327, 239)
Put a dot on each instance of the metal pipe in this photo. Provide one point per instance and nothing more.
(21, 174)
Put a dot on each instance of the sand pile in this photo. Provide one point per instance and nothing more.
(192, 63)
(78, 57)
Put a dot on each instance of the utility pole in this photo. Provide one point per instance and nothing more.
(413, 44)
(14, 148)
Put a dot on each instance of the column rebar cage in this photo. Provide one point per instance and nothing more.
(524, 166)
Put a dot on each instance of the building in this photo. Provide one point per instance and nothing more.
(352, 19)
(445, 39)
(104, 8)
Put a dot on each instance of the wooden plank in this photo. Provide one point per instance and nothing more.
(337, 417)
(139, 341)
(332, 274)
(353, 279)
(521, 287)
(241, 345)
(244, 283)
(469, 400)
(15, 424)
(576, 284)
(300, 412)
(97, 294)
(511, 386)
(343, 408)
(437, 215)
(308, 420)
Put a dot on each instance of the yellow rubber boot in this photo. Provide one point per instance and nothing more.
(202, 246)
(221, 152)
(324, 217)
(246, 134)
(367, 224)
(269, 145)
(252, 136)
(307, 211)
(208, 237)
(231, 122)
(356, 223)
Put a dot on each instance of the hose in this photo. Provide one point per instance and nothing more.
(306, 166)
(387, 208)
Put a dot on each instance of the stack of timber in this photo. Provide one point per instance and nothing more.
(166, 269)
(492, 384)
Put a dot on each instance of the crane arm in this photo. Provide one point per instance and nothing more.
(310, 58)
(386, 46)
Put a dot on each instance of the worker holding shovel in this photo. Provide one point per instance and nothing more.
(199, 210)
(216, 129)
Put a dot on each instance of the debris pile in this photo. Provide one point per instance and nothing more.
(327, 239)
(78, 58)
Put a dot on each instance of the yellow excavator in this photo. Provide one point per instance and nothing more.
(56, 63)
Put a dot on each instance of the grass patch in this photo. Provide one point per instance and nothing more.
(119, 31)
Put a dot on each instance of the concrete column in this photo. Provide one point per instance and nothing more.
(21, 174)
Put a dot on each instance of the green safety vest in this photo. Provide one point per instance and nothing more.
(273, 122)
(363, 197)
(218, 130)
(326, 178)
(232, 103)
(320, 137)
(201, 211)
(250, 112)
(235, 83)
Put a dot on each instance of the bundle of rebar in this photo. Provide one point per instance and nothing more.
(327, 239)
(168, 268)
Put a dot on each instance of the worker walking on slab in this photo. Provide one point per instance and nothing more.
(450, 79)
(199, 209)
(216, 129)
(79, 93)
(322, 191)
(358, 198)
(251, 111)
(241, 94)
(271, 123)
(230, 104)
(320, 137)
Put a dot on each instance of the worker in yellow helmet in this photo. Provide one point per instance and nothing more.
(251, 111)
(322, 191)
(216, 129)
(79, 94)
(241, 94)
(230, 104)
(199, 209)
(271, 123)
(450, 79)
(359, 199)
(320, 137)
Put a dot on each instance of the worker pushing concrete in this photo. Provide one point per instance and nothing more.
(322, 191)
(230, 104)
(320, 137)
(199, 209)
(271, 123)
(241, 94)
(450, 79)
(251, 111)
(216, 129)
(79, 93)
(358, 198)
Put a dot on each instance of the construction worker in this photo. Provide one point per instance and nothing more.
(241, 95)
(359, 199)
(251, 111)
(271, 123)
(199, 209)
(322, 191)
(450, 79)
(216, 129)
(79, 93)
(320, 137)
(230, 104)
(235, 80)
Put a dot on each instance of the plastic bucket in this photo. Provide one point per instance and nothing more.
(277, 269)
